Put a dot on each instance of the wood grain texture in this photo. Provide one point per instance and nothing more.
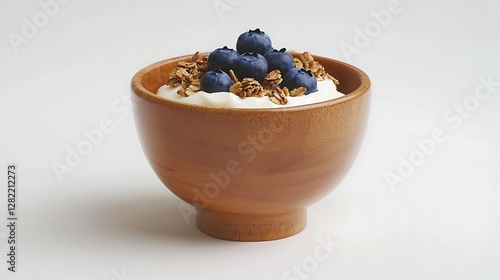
(251, 173)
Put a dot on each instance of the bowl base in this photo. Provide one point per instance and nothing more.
(239, 227)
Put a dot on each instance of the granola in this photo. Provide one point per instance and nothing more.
(189, 73)
(278, 95)
(306, 61)
(272, 79)
(298, 91)
(249, 87)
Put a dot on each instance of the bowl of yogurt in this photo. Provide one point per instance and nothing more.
(248, 166)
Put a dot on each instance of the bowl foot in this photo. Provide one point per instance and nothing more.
(240, 227)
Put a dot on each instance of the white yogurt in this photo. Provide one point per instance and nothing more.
(326, 91)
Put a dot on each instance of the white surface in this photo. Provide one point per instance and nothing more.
(111, 218)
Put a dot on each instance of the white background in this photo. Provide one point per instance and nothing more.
(111, 218)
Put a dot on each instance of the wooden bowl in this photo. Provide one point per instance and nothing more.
(251, 173)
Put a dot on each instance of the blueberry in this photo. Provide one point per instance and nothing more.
(281, 60)
(254, 41)
(216, 81)
(299, 77)
(222, 58)
(250, 65)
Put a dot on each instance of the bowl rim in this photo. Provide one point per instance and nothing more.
(139, 90)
